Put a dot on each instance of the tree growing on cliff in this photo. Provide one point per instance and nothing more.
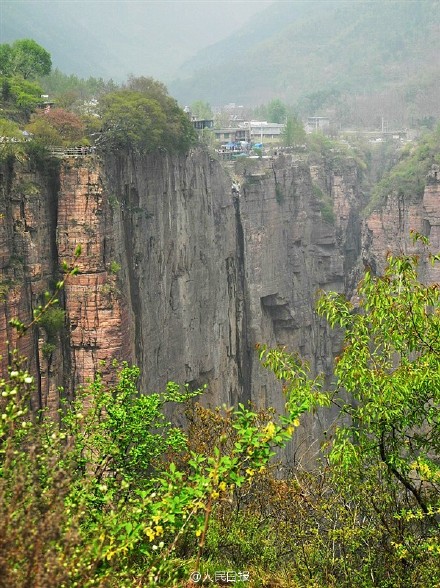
(20, 64)
(144, 118)
(293, 133)
(19, 96)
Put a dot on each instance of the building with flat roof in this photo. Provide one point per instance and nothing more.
(317, 123)
(263, 130)
(231, 134)
(201, 123)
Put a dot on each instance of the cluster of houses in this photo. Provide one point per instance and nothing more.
(241, 133)
(241, 136)
(247, 131)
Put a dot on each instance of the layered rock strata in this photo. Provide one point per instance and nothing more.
(184, 275)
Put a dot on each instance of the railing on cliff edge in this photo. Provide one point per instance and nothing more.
(72, 151)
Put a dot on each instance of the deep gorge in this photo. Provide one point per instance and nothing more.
(183, 277)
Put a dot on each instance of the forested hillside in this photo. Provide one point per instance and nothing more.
(322, 54)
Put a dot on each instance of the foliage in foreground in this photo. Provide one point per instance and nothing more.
(370, 515)
(115, 495)
(106, 496)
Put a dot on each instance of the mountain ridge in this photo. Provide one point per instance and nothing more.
(358, 48)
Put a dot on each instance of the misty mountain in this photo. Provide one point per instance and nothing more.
(112, 39)
(294, 50)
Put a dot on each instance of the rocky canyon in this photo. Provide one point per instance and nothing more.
(182, 275)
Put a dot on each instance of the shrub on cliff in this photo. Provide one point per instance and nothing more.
(19, 97)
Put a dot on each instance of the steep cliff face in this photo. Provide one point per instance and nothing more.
(387, 229)
(207, 273)
(97, 318)
(183, 276)
(301, 233)
(175, 240)
(29, 264)
(45, 215)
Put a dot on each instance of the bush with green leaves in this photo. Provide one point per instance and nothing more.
(52, 321)
(113, 494)
(20, 64)
(114, 484)
(378, 522)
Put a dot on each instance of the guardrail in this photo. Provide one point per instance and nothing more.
(72, 151)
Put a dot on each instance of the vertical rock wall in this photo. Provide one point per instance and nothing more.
(208, 274)
(301, 235)
(175, 239)
(388, 227)
(183, 276)
(96, 313)
(28, 268)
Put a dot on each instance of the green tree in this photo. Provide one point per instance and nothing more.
(5, 58)
(132, 121)
(387, 387)
(275, 111)
(10, 129)
(21, 94)
(178, 132)
(56, 127)
(148, 86)
(390, 367)
(145, 119)
(294, 133)
(25, 58)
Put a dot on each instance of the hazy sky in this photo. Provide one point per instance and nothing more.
(112, 38)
